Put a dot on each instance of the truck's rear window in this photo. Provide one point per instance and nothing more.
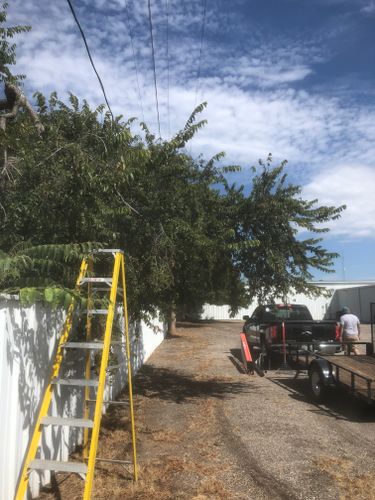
(286, 312)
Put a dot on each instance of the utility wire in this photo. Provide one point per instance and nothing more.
(154, 65)
(134, 57)
(89, 54)
(204, 15)
(168, 74)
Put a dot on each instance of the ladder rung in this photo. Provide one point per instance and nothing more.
(96, 311)
(125, 403)
(84, 345)
(57, 466)
(75, 381)
(107, 281)
(99, 289)
(90, 345)
(107, 250)
(71, 422)
(113, 461)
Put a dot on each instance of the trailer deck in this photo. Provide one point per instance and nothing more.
(363, 365)
(325, 362)
(356, 372)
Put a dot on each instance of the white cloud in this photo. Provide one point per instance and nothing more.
(353, 185)
(244, 72)
(307, 130)
(369, 8)
(253, 108)
(270, 116)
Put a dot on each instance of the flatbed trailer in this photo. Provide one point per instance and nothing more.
(355, 373)
(327, 366)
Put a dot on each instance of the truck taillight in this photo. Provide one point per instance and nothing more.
(273, 331)
(337, 332)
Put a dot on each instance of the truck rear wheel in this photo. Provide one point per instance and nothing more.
(318, 388)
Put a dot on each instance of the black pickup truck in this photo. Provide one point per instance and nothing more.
(277, 324)
(287, 333)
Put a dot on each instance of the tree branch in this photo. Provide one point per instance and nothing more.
(15, 99)
(125, 202)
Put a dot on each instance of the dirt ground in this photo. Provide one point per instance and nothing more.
(207, 431)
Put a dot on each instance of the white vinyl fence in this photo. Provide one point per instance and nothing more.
(27, 343)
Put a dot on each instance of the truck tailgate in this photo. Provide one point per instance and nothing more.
(310, 330)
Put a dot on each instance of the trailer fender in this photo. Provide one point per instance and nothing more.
(325, 370)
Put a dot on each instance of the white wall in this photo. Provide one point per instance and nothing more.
(27, 342)
(358, 298)
(317, 307)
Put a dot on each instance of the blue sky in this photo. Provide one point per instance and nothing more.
(292, 77)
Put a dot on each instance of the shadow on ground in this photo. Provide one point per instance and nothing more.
(338, 404)
(201, 323)
(194, 324)
(165, 384)
(235, 359)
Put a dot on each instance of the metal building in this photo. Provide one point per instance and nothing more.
(357, 295)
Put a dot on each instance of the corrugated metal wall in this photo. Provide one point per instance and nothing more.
(358, 299)
(27, 342)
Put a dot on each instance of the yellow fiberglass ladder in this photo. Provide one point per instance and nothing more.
(91, 426)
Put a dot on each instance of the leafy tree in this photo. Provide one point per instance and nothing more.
(7, 48)
(188, 235)
(187, 239)
(90, 179)
(66, 188)
(271, 221)
(182, 248)
(45, 272)
(14, 98)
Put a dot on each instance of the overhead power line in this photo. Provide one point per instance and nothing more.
(204, 15)
(169, 120)
(154, 65)
(134, 57)
(91, 60)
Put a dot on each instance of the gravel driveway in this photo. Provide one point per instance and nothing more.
(208, 431)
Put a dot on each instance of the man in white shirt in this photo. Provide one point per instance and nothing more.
(350, 329)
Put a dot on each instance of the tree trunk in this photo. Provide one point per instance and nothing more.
(172, 323)
(5, 155)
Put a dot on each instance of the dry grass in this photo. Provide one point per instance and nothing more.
(213, 489)
(179, 453)
(191, 472)
(176, 477)
(352, 484)
(164, 436)
(223, 380)
(159, 435)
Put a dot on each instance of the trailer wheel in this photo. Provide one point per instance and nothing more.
(318, 388)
